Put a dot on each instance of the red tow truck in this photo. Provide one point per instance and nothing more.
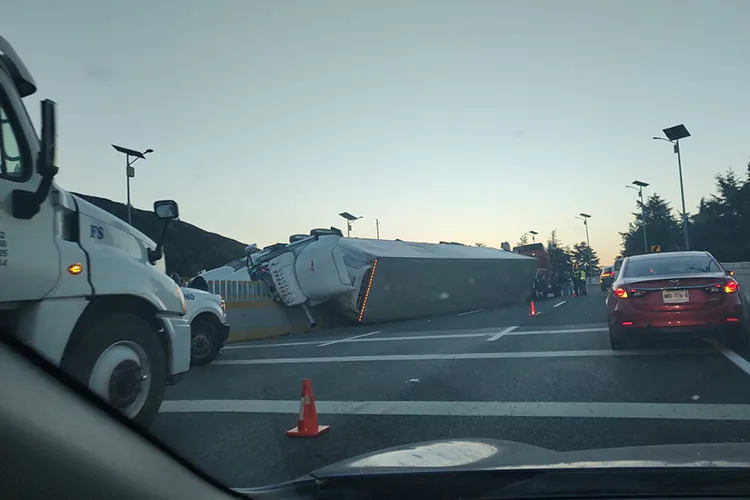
(538, 251)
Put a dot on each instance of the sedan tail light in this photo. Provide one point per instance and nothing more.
(730, 286)
(623, 293)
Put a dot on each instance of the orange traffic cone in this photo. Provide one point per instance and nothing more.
(533, 309)
(308, 416)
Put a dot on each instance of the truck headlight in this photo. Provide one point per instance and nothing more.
(223, 307)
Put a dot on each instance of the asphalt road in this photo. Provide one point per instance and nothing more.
(549, 380)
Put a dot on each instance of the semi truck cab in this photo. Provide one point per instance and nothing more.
(80, 286)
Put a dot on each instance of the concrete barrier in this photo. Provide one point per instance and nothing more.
(252, 313)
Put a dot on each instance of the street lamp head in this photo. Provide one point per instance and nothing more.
(640, 183)
(348, 216)
(676, 133)
(584, 215)
(131, 152)
(533, 232)
(148, 151)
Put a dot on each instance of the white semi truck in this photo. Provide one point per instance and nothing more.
(84, 289)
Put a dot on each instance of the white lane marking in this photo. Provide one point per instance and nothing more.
(470, 312)
(548, 332)
(501, 333)
(348, 339)
(259, 346)
(422, 337)
(677, 411)
(732, 356)
(461, 356)
(560, 303)
(416, 337)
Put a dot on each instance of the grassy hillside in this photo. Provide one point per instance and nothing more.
(188, 249)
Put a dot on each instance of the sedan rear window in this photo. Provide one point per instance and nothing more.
(688, 264)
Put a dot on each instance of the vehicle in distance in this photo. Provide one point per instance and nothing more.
(678, 295)
(616, 267)
(607, 278)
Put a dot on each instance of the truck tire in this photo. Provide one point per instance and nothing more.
(206, 344)
(120, 358)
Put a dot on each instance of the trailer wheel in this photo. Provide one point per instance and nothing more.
(121, 358)
(206, 343)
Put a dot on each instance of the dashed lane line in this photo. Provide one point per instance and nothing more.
(732, 356)
(501, 334)
(463, 356)
(678, 411)
(470, 312)
(560, 303)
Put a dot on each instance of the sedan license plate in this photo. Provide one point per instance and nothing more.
(675, 296)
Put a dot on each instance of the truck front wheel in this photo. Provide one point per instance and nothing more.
(121, 359)
(206, 342)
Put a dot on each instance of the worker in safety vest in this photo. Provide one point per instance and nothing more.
(582, 278)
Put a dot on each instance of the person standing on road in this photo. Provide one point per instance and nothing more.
(568, 284)
(582, 278)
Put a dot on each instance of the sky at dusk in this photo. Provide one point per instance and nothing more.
(471, 121)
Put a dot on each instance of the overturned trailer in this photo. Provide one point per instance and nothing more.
(372, 281)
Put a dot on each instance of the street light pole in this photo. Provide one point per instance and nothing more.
(131, 156)
(682, 192)
(585, 217)
(349, 219)
(674, 134)
(533, 236)
(642, 185)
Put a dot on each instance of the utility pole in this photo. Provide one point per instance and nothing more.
(377, 228)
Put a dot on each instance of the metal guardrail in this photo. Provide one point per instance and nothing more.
(239, 290)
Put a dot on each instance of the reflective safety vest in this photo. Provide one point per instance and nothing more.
(583, 274)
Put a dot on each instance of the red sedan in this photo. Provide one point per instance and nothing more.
(678, 294)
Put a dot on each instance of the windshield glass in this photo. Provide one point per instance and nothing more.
(435, 199)
(668, 266)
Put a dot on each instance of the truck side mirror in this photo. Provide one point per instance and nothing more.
(165, 210)
(48, 144)
(25, 204)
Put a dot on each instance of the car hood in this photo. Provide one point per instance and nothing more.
(474, 454)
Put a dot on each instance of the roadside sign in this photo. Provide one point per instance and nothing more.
(655, 248)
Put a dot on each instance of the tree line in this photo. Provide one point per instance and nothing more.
(721, 224)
